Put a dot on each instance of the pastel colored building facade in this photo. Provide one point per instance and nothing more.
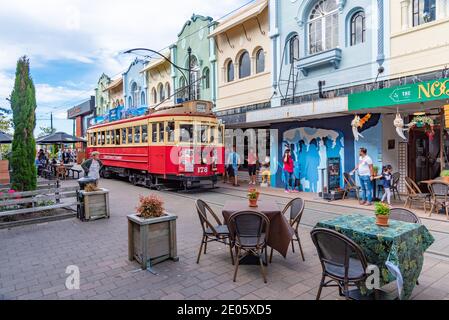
(194, 35)
(102, 96)
(134, 86)
(419, 36)
(243, 54)
(158, 80)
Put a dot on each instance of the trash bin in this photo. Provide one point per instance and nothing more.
(85, 181)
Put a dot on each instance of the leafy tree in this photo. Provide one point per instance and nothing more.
(45, 131)
(23, 105)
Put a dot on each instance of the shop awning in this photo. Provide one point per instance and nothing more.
(241, 16)
(422, 95)
(114, 84)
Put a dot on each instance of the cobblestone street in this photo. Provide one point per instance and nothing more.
(33, 259)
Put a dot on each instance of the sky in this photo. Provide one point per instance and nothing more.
(70, 43)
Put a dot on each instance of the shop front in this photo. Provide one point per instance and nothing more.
(414, 126)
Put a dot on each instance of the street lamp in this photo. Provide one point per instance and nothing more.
(180, 69)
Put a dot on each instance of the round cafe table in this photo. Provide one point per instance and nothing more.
(280, 234)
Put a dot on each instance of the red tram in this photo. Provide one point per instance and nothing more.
(182, 144)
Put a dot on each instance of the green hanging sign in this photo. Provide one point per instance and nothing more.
(412, 93)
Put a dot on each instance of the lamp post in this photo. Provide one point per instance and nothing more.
(189, 53)
(180, 69)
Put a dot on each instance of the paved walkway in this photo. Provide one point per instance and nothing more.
(33, 259)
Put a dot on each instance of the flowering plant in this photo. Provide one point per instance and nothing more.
(150, 207)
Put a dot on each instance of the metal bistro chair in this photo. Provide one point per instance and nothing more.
(249, 231)
(439, 193)
(404, 215)
(395, 184)
(350, 185)
(296, 207)
(342, 260)
(211, 231)
(414, 194)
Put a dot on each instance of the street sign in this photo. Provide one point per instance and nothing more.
(412, 93)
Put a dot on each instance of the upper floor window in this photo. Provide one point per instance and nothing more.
(358, 30)
(323, 26)
(161, 92)
(167, 88)
(142, 98)
(154, 95)
(244, 65)
(293, 49)
(423, 11)
(206, 78)
(230, 71)
(135, 94)
(260, 61)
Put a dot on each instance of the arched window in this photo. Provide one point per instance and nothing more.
(323, 26)
(293, 49)
(130, 102)
(154, 95)
(230, 71)
(182, 91)
(142, 98)
(206, 78)
(358, 30)
(160, 89)
(195, 78)
(244, 65)
(135, 94)
(260, 61)
(423, 11)
(168, 90)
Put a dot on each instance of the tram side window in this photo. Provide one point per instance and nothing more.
(161, 132)
(137, 134)
(186, 133)
(103, 138)
(144, 134)
(108, 137)
(117, 136)
(130, 135)
(171, 131)
(154, 132)
(124, 136)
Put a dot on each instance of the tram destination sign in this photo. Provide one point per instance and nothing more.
(412, 93)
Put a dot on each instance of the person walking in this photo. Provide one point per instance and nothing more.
(233, 163)
(252, 166)
(366, 175)
(288, 170)
(387, 178)
(93, 166)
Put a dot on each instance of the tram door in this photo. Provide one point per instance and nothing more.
(157, 149)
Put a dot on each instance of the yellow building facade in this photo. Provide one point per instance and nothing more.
(243, 58)
(419, 36)
(158, 82)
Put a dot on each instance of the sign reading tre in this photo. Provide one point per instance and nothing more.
(412, 93)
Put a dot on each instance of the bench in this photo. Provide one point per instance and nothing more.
(28, 201)
(73, 171)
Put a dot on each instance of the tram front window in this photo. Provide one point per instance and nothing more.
(171, 131)
(185, 133)
(161, 132)
(202, 134)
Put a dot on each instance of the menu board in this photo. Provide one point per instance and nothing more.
(333, 173)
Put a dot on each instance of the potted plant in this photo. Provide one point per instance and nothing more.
(253, 196)
(425, 122)
(151, 233)
(382, 212)
(445, 175)
(94, 202)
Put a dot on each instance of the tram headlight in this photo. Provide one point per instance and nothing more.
(204, 160)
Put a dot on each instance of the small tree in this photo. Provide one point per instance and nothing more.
(23, 105)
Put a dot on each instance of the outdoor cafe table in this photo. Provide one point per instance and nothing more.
(280, 234)
(398, 250)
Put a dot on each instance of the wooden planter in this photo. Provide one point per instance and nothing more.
(151, 241)
(96, 204)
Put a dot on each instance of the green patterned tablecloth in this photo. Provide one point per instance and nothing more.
(401, 244)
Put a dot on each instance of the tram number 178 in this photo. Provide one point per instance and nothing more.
(202, 170)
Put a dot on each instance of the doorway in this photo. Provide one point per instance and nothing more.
(424, 155)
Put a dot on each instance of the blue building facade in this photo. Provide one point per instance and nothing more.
(135, 88)
(324, 50)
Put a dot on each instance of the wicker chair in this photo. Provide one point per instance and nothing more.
(394, 185)
(212, 231)
(414, 194)
(404, 215)
(440, 198)
(249, 231)
(350, 185)
(295, 208)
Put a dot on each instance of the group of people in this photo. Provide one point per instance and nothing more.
(233, 162)
(365, 169)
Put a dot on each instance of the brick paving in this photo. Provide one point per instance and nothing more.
(33, 260)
